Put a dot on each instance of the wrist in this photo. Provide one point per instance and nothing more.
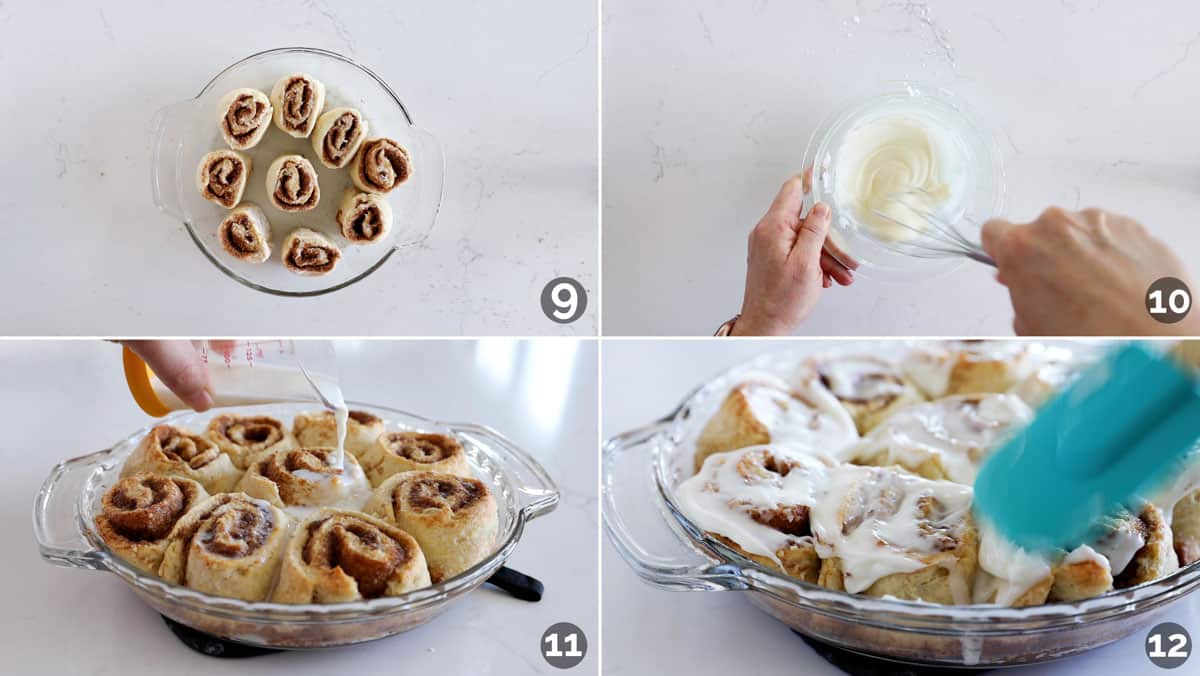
(750, 324)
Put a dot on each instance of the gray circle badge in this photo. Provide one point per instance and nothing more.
(1168, 645)
(564, 645)
(564, 300)
(1168, 300)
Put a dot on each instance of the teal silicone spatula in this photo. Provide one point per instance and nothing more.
(1116, 434)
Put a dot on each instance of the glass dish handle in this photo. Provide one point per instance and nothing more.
(533, 482)
(56, 515)
(166, 150)
(627, 485)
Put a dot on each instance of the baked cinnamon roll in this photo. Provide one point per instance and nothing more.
(292, 184)
(297, 100)
(875, 531)
(299, 479)
(227, 545)
(176, 452)
(452, 517)
(1185, 524)
(245, 234)
(338, 136)
(221, 177)
(765, 410)
(395, 452)
(944, 439)
(245, 115)
(244, 438)
(338, 556)
(364, 217)
(319, 429)
(871, 388)
(380, 165)
(139, 511)
(1154, 556)
(966, 366)
(768, 526)
(307, 252)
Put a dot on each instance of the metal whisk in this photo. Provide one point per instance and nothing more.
(938, 239)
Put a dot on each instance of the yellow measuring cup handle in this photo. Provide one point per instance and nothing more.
(137, 376)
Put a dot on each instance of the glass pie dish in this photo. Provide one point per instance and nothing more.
(980, 197)
(184, 132)
(643, 468)
(70, 497)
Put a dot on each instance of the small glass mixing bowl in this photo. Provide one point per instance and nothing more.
(982, 190)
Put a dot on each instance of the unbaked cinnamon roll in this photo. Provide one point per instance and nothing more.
(319, 429)
(338, 556)
(308, 252)
(245, 115)
(765, 410)
(871, 388)
(227, 545)
(292, 184)
(300, 478)
(395, 452)
(453, 517)
(139, 511)
(176, 452)
(221, 177)
(944, 439)
(244, 438)
(245, 234)
(380, 165)
(338, 135)
(298, 100)
(967, 366)
(364, 217)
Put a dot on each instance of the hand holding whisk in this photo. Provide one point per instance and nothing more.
(935, 237)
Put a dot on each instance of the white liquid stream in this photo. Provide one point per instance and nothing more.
(244, 385)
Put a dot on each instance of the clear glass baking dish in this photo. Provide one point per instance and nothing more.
(184, 132)
(983, 193)
(643, 467)
(63, 519)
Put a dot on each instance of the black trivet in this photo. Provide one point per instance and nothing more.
(519, 585)
(858, 664)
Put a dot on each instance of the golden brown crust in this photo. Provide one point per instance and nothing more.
(395, 452)
(138, 513)
(1185, 525)
(732, 427)
(1156, 558)
(246, 437)
(176, 452)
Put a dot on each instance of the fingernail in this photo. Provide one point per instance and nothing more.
(820, 210)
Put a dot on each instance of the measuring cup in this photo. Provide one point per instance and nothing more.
(246, 372)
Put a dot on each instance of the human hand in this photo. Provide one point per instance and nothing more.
(1082, 273)
(787, 266)
(178, 365)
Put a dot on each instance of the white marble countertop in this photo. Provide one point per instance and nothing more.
(708, 107)
(541, 394)
(720, 632)
(509, 91)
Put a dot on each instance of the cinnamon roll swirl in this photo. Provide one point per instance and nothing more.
(221, 177)
(244, 438)
(227, 545)
(338, 556)
(380, 165)
(338, 136)
(365, 218)
(139, 511)
(319, 429)
(245, 115)
(297, 100)
(454, 518)
(245, 234)
(765, 410)
(308, 252)
(943, 439)
(869, 387)
(299, 479)
(395, 452)
(176, 452)
(292, 184)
